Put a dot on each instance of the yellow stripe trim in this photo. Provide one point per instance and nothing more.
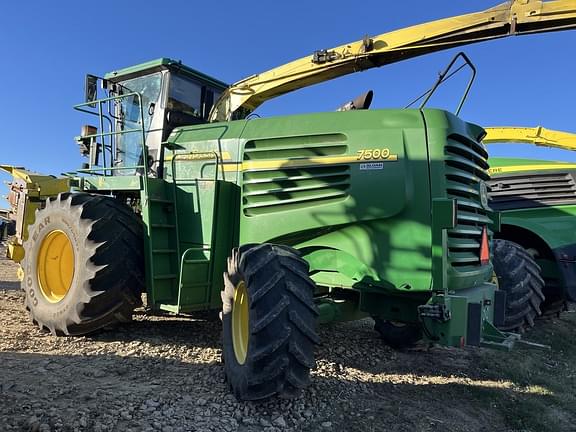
(299, 163)
(521, 168)
(199, 156)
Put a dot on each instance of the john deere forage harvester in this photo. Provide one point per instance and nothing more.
(317, 217)
(329, 216)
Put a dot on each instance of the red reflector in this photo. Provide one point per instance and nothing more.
(484, 248)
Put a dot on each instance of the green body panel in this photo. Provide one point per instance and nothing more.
(380, 232)
(554, 225)
(302, 185)
(505, 162)
(381, 218)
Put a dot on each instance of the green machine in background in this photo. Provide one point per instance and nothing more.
(537, 202)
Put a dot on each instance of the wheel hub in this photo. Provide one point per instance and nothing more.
(55, 266)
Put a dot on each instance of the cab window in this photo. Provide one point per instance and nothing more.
(185, 96)
(190, 97)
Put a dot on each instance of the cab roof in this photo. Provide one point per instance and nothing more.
(159, 64)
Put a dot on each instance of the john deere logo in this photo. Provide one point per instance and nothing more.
(483, 189)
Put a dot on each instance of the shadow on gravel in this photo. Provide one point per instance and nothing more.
(105, 392)
(186, 332)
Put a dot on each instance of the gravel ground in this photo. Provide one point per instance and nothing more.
(164, 374)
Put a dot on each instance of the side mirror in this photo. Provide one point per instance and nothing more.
(85, 139)
(91, 89)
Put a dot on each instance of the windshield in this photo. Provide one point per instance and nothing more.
(129, 144)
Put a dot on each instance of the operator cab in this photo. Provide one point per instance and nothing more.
(171, 95)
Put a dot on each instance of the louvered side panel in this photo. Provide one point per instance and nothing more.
(532, 190)
(466, 168)
(293, 172)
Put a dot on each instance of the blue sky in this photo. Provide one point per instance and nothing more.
(47, 48)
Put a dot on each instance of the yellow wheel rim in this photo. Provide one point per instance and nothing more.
(55, 266)
(240, 321)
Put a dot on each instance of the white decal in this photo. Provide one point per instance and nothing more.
(372, 166)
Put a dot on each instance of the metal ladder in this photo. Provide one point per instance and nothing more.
(186, 263)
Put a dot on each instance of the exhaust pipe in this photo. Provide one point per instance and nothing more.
(361, 102)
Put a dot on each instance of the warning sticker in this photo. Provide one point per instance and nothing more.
(372, 166)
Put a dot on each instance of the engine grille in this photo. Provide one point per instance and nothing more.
(532, 190)
(284, 174)
(466, 167)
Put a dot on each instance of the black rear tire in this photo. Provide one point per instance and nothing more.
(106, 243)
(519, 276)
(281, 327)
(555, 302)
(398, 335)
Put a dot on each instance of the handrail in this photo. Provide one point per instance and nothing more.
(113, 133)
(443, 77)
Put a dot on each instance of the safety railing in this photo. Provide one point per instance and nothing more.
(112, 133)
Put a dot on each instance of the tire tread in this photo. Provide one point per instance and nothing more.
(519, 276)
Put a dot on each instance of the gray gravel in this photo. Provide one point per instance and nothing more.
(164, 374)
(156, 374)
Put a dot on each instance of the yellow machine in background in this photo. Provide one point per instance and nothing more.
(28, 191)
(531, 135)
(539, 136)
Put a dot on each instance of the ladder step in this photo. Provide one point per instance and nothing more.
(200, 248)
(163, 251)
(161, 200)
(196, 261)
(197, 284)
(190, 181)
(169, 307)
(166, 276)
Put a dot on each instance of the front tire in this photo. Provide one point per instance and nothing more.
(269, 322)
(83, 264)
(519, 276)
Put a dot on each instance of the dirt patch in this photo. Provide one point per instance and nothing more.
(164, 374)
